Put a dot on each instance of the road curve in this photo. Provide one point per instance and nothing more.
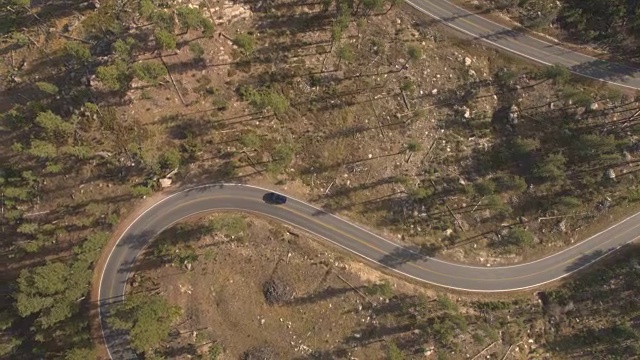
(342, 233)
(526, 46)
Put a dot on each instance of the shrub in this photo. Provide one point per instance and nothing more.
(558, 73)
(446, 304)
(229, 225)
(251, 140)
(394, 353)
(141, 191)
(77, 51)
(485, 187)
(245, 42)
(170, 159)
(511, 183)
(382, 288)
(47, 88)
(196, 50)
(518, 236)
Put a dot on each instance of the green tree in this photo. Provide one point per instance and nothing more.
(115, 76)
(591, 146)
(188, 18)
(8, 347)
(148, 319)
(146, 8)
(38, 286)
(336, 35)
(42, 149)
(165, 40)
(245, 42)
(90, 249)
(80, 354)
(123, 49)
(551, 168)
(345, 53)
(149, 71)
(7, 317)
(79, 52)
(276, 101)
(192, 19)
(53, 126)
(522, 147)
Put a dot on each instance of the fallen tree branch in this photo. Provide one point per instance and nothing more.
(356, 290)
(73, 38)
(483, 350)
(455, 217)
(560, 216)
(172, 80)
(404, 98)
(433, 144)
(509, 350)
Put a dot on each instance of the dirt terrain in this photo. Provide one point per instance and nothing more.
(249, 287)
(327, 305)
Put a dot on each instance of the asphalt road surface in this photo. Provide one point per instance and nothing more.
(342, 233)
(518, 43)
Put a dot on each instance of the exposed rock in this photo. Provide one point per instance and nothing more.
(104, 154)
(170, 174)
(434, 92)
(467, 61)
(610, 174)
(165, 182)
(514, 113)
(465, 112)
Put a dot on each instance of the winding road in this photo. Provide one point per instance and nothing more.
(516, 42)
(342, 233)
(360, 241)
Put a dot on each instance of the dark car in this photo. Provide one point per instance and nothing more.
(274, 198)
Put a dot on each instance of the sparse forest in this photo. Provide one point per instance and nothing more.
(363, 107)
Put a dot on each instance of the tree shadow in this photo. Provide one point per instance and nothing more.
(403, 255)
(325, 294)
